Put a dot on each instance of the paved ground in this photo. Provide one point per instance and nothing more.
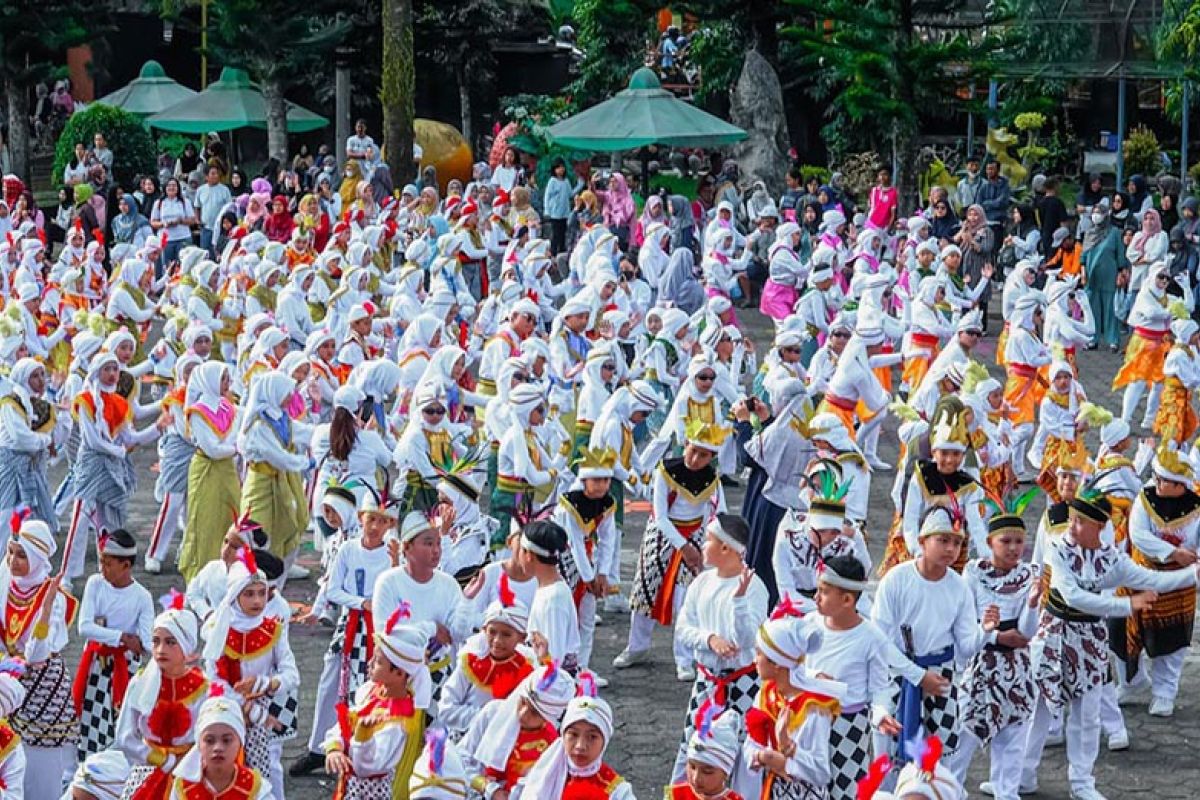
(649, 704)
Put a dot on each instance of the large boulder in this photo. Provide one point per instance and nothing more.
(757, 108)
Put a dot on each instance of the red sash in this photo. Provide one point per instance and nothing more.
(119, 676)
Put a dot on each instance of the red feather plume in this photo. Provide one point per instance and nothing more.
(403, 611)
(162, 241)
(246, 556)
(98, 235)
(870, 783)
(931, 754)
(19, 515)
(507, 598)
(216, 689)
(78, 225)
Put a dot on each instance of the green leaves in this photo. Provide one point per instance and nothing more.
(133, 149)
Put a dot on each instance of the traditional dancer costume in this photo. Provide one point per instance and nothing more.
(716, 743)
(478, 678)
(808, 539)
(175, 453)
(778, 455)
(795, 723)
(933, 624)
(352, 573)
(1146, 352)
(1160, 525)
(857, 657)
(556, 777)
(929, 488)
(12, 754)
(380, 734)
(426, 446)
(214, 490)
(526, 473)
(155, 727)
(189, 780)
(1024, 356)
(1176, 420)
(715, 607)
(498, 749)
(240, 646)
(1070, 654)
(998, 687)
(275, 453)
(104, 477)
(1060, 416)
(106, 614)
(438, 600)
(27, 440)
(684, 500)
(592, 535)
(37, 614)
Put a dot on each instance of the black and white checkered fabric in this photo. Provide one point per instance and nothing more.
(283, 707)
(98, 714)
(849, 752)
(355, 671)
(368, 788)
(739, 697)
(939, 714)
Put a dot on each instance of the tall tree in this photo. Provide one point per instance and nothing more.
(397, 86)
(458, 37)
(33, 34)
(877, 64)
(276, 46)
(615, 37)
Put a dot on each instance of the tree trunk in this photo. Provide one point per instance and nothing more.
(277, 138)
(18, 130)
(464, 104)
(397, 88)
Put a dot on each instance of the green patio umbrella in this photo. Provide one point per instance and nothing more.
(149, 93)
(643, 114)
(231, 103)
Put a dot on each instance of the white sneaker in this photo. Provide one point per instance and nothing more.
(601, 683)
(297, 572)
(616, 604)
(879, 466)
(1126, 694)
(1119, 741)
(597, 620)
(153, 566)
(1088, 793)
(1162, 707)
(986, 788)
(685, 674)
(627, 658)
(1055, 738)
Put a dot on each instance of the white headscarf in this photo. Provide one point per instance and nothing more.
(549, 775)
(204, 385)
(220, 710)
(548, 689)
(267, 397)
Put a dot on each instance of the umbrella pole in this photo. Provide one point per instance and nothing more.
(645, 173)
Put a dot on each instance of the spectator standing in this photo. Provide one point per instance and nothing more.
(1051, 213)
(210, 199)
(358, 145)
(884, 202)
(173, 214)
(509, 173)
(188, 160)
(995, 196)
(969, 186)
(556, 205)
(100, 151)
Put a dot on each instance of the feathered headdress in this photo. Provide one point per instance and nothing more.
(436, 739)
(246, 556)
(705, 715)
(403, 611)
(18, 516)
(548, 678)
(1093, 415)
(824, 478)
(585, 684)
(869, 784)
(974, 374)
(926, 754)
(1005, 509)
(172, 600)
(709, 435)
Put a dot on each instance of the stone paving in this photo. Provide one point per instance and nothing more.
(649, 703)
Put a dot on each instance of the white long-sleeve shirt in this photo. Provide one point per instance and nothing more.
(1148, 535)
(106, 612)
(938, 614)
(553, 615)
(438, 600)
(260, 443)
(712, 609)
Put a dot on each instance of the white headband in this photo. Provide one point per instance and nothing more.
(825, 574)
(716, 530)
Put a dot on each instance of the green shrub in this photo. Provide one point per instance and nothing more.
(127, 137)
(822, 174)
(1142, 152)
(173, 143)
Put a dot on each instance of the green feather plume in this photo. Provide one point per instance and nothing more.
(1179, 310)
(974, 375)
